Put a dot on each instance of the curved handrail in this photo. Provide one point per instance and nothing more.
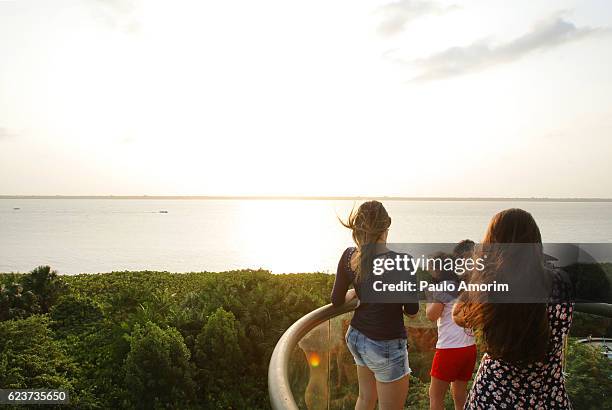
(599, 309)
(281, 397)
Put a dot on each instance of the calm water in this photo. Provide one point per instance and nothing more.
(102, 235)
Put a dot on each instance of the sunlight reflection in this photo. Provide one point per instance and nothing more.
(291, 236)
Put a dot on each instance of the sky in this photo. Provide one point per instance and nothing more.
(478, 98)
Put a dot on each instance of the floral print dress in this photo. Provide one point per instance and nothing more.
(540, 385)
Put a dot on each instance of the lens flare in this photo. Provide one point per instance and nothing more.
(314, 359)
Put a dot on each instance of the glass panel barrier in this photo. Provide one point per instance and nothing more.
(323, 375)
(322, 371)
(309, 369)
(343, 384)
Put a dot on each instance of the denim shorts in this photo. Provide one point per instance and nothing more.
(388, 359)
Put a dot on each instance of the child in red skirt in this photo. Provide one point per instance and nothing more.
(455, 356)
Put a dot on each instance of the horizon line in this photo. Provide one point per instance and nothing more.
(312, 197)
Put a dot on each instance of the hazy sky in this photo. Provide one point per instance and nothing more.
(318, 97)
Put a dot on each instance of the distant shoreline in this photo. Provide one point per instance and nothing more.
(310, 198)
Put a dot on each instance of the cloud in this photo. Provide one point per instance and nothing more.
(481, 54)
(127, 139)
(397, 15)
(6, 133)
(117, 14)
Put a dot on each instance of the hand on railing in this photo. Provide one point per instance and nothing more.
(350, 295)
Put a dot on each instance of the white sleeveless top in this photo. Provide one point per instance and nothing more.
(450, 335)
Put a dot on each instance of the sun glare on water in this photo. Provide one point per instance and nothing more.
(263, 230)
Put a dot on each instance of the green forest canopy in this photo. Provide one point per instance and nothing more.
(193, 340)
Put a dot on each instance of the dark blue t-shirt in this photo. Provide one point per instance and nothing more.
(378, 321)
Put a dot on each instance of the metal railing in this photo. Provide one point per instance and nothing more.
(279, 386)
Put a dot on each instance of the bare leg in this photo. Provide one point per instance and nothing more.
(392, 395)
(367, 389)
(459, 392)
(437, 391)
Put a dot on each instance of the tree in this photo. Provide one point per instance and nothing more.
(30, 358)
(45, 284)
(589, 377)
(16, 303)
(158, 373)
(219, 359)
(74, 314)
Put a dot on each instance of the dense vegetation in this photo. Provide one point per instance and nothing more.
(194, 340)
(150, 339)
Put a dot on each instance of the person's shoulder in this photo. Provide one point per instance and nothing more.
(345, 259)
(349, 251)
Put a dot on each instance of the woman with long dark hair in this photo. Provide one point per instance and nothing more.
(376, 337)
(522, 366)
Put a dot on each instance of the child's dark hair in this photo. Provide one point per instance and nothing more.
(464, 248)
(446, 272)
